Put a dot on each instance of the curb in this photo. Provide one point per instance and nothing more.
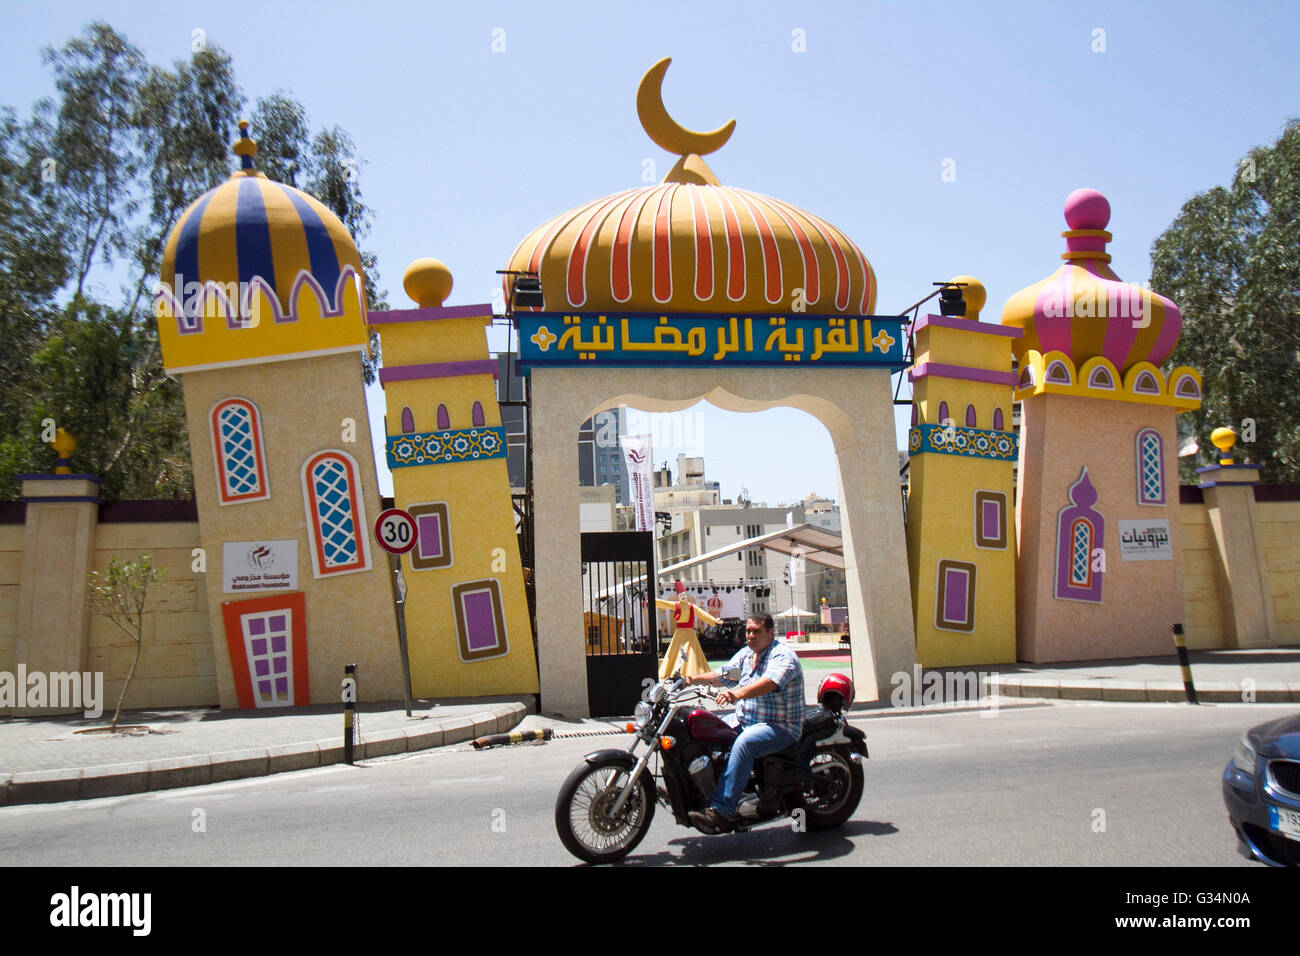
(123, 779)
(1222, 692)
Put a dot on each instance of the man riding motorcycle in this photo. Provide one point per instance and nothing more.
(769, 701)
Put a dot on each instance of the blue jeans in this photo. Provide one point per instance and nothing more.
(756, 740)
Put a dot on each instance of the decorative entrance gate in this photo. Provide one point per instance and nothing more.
(618, 619)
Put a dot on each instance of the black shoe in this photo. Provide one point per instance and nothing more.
(711, 821)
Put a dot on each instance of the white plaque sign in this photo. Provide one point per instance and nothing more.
(1146, 540)
(259, 566)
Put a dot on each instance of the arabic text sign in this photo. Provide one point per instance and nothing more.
(1145, 540)
(258, 566)
(646, 339)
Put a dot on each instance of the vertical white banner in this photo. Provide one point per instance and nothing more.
(640, 482)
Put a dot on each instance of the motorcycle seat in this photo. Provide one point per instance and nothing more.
(816, 720)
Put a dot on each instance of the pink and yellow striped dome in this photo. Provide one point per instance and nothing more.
(696, 247)
(1083, 309)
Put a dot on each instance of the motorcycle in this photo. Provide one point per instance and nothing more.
(606, 804)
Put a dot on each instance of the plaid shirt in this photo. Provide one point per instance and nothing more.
(784, 706)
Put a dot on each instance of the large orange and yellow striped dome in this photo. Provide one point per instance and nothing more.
(691, 244)
(696, 247)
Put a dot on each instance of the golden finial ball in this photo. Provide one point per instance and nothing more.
(1224, 439)
(974, 295)
(428, 282)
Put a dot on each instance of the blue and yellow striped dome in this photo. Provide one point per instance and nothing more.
(252, 227)
(257, 271)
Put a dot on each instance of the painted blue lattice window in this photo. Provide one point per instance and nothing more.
(238, 452)
(1150, 467)
(335, 513)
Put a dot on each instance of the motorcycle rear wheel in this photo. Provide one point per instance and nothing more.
(839, 789)
(582, 812)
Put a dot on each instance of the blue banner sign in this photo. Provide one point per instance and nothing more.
(646, 339)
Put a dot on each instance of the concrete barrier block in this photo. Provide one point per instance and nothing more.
(237, 764)
(384, 746)
(456, 729)
(286, 757)
(1166, 691)
(1124, 691)
(1040, 688)
(114, 780)
(423, 738)
(1080, 690)
(168, 773)
(45, 786)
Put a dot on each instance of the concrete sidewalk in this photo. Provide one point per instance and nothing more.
(44, 759)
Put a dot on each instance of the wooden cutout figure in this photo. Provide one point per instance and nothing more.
(685, 619)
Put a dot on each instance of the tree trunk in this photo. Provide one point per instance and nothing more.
(139, 645)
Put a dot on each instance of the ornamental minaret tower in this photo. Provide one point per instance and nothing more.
(468, 627)
(962, 452)
(1099, 573)
(261, 315)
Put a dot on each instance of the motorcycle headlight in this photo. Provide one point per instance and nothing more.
(1244, 756)
(641, 714)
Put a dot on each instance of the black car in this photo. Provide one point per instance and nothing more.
(1261, 788)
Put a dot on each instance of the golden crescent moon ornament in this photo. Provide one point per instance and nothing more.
(665, 131)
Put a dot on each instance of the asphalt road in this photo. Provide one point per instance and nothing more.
(1067, 784)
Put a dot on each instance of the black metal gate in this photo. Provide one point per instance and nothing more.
(619, 620)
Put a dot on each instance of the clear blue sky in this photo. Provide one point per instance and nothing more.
(468, 149)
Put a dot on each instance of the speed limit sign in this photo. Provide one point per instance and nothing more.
(396, 531)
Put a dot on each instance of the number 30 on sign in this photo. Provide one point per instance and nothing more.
(396, 531)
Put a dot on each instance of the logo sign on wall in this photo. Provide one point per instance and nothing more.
(258, 566)
(1145, 540)
(688, 341)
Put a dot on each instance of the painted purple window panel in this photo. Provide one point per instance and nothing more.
(433, 547)
(257, 626)
(997, 419)
(408, 421)
(970, 416)
(254, 627)
(444, 421)
(480, 628)
(1080, 530)
(480, 623)
(954, 607)
(955, 583)
(281, 686)
(477, 414)
(914, 413)
(430, 536)
(943, 412)
(991, 520)
(262, 667)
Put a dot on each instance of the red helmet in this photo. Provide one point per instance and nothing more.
(835, 692)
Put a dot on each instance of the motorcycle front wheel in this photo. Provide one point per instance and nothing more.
(582, 812)
(837, 791)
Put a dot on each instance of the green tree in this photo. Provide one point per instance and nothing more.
(120, 594)
(1231, 260)
(93, 184)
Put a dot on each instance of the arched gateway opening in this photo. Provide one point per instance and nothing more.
(855, 407)
(660, 296)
